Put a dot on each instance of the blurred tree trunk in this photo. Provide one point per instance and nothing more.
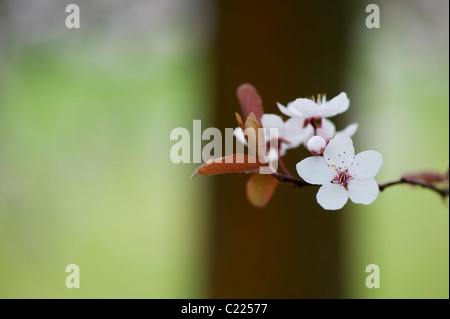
(291, 248)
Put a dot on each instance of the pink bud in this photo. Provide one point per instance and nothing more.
(316, 145)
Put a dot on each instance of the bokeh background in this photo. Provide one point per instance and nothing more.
(86, 178)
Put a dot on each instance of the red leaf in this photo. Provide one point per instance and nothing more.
(250, 101)
(239, 163)
(260, 188)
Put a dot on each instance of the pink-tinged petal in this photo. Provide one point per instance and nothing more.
(250, 101)
(316, 145)
(315, 170)
(350, 130)
(340, 151)
(305, 107)
(363, 191)
(332, 196)
(367, 164)
(288, 112)
(327, 130)
(337, 105)
(295, 133)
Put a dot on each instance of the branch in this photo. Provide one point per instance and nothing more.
(297, 182)
(444, 192)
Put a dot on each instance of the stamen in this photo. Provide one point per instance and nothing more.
(342, 178)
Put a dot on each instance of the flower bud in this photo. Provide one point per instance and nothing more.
(316, 145)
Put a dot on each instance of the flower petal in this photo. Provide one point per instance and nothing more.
(315, 170)
(340, 151)
(332, 196)
(272, 121)
(337, 105)
(350, 130)
(295, 133)
(327, 130)
(283, 148)
(367, 164)
(363, 191)
(286, 111)
(305, 107)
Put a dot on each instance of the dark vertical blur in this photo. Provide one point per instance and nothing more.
(291, 248)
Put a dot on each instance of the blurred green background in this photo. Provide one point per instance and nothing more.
(85, 119)
(399, 79)
(84, 153)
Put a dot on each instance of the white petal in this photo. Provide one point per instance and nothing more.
(310, 131)
(350, 130)
(367, 164)
(240, 137)
(363, 191)
(295, 133)
(283, 109)
(283, 148)
(337, 105)
(315, 170)
(272, 121)
(327, 130)
(332, 196)
(340, 151)
(273, 158)
(305, 107)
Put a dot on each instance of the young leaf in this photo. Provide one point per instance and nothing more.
(235, 163)
(256, 144)
(250, 101)
(260, 188)
(240, 122)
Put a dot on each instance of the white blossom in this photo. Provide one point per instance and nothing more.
(314, 115)
(311, 109)
(342, 174)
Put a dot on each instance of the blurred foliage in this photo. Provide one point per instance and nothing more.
(87, 179)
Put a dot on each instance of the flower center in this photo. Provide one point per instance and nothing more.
(316, 122)
(342, 178)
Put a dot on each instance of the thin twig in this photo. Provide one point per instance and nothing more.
(283, 167)
(444, 192)
(297, 182)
